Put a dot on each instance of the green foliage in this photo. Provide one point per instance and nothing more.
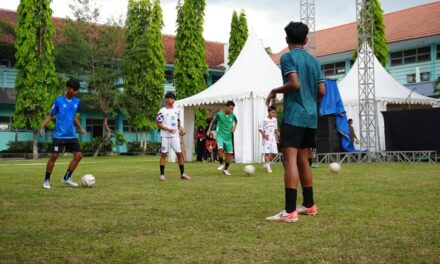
(238, 35)
(119, 139)
(136, 147)
(191, 69)
(380, 42)
(144, 62)
(36, 83)
(26, 147)
(91, 52)
(268, 50)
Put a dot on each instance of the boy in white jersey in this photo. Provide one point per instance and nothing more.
(269, 131)
(168, 120)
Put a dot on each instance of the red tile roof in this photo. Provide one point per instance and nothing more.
(412, 23)
(214, 50)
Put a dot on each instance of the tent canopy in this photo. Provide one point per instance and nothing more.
(252, 75)
(387, 89)
(247, 83)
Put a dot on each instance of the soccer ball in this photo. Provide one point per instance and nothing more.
(335, 167)
(249, 169)
(88, 180)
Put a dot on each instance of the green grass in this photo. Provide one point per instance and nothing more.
(368, 213)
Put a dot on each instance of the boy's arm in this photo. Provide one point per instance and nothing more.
(210, 125)
(321, 89)
(292, 84)
(79, 126)
(235, 124)
(44, 124)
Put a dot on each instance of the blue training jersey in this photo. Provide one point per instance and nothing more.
(65, 111)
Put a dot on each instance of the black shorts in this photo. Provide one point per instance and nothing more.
(297, 137)
(71, 145)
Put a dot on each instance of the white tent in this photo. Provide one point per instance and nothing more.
(387, 91)
(247, 83)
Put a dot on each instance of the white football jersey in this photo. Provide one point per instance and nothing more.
(269, 126)
(169, 117)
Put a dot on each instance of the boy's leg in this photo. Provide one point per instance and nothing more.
(306, 177)
(72, 145)
(175, 145)
(77, 156)
(291, 176)
(49, 167)
(163, 157)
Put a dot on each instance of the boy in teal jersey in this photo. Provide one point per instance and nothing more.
(303, 84)
(226, 122)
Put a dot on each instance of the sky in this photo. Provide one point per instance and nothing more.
(266, 17)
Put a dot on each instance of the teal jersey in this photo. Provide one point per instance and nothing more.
(225, 123)
(300, 106)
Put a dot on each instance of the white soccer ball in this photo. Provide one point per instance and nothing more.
(249, 169)
(88, 180)
(335, 167)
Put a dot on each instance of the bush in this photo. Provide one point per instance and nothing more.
(92, 146)
(26, 147)
(135, 146)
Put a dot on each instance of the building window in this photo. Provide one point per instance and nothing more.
(95, 126)
(333, 68)
(215, 79)
(438, 52)
(410, 56)
(169, 77)
(411, 78)
(127, 127)
(5, 123)
(425, 76)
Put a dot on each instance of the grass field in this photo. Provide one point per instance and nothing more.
(368, 213)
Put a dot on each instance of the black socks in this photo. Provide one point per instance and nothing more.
(182, 169)
(290, 195)
(47, 178)
(220, 159)
(226, 165)
(162, 169)
(308, 197)
(67, 175)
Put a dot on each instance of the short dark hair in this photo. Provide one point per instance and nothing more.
(229, 103)
(296, 32)
(170, 95)
(271, 108)
(350, 120)
(73, 83)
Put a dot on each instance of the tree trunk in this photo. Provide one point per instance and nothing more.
(107, 133)
(35, 145)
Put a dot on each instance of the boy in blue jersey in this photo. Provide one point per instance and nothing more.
(303, 84)
(64, 136)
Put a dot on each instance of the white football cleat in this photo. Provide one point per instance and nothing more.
(221, 167)
(69, 182)
(162, 178)
(226, 172)
(46, 184)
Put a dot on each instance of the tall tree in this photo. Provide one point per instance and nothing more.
(36, 80)
(380, 42)
(155, 77)
(238, 35)
(191, 69)
(135, 62)
(92, 52)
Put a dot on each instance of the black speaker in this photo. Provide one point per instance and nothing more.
(328, 139)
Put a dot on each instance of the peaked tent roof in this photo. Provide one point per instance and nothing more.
(386, 87)
(252, 75)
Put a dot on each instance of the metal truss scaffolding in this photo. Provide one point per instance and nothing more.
(367, 97)
(307, 14)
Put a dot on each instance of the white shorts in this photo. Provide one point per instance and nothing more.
(170, 143)
(270, 147)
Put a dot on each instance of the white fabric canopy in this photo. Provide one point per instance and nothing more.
(387, 91)
(247, 83)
